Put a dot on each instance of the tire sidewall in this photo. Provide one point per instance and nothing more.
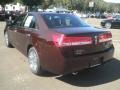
(7, 44)
(38, 70)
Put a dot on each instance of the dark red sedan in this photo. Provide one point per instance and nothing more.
(59, 43)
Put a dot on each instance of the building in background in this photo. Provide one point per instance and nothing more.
(11, 11)
(13, 7)
(0, 8)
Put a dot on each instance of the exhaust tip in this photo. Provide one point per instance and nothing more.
(75, 73)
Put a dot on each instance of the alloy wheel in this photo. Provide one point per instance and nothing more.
(108, 25)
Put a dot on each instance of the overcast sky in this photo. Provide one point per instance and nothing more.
(113, 1)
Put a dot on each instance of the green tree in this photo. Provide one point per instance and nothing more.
(18, 1)
(32, 3)
(47, 3)
(3, 2)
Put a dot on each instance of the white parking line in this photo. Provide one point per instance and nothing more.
(116, 40)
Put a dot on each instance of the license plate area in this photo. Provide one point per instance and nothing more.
(95, 62)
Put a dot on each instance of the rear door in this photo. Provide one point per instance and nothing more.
(24, 32)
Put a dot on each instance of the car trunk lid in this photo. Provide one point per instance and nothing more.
(82, 41)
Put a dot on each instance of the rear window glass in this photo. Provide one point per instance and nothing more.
(63, 21)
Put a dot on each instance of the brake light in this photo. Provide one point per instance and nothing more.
(105, 37)
(63, 40)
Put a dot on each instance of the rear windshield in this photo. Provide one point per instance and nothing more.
(63, 21)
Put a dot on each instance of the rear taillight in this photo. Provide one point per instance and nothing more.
(63, 40)
(105, 37)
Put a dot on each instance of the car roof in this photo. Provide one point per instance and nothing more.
(43, 13)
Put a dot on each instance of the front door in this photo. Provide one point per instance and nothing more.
(14, 29)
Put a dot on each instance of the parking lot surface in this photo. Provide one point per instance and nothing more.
(15, 73)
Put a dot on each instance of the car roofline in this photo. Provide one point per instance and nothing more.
(41, 13)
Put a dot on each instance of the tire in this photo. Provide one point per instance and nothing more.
(7, 42)
(108, 25)
(34, 62)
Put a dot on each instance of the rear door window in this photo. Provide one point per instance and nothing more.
(30, 22)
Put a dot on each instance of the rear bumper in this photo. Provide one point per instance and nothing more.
(69, 65)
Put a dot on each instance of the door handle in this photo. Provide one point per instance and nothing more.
(28, 35)
(15, 29)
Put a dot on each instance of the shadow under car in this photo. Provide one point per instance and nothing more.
(96, 76)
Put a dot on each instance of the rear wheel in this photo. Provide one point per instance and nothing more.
(108, 25)
(34, 62)
(7, 42)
